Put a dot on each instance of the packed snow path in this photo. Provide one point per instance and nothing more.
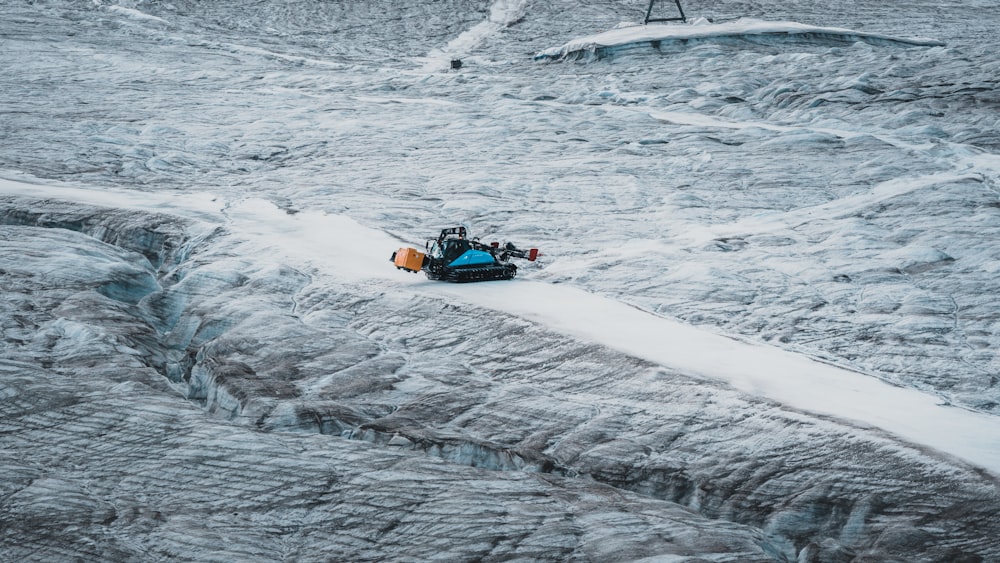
(248, 320)
(352, 253)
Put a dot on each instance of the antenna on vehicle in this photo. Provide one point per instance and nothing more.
(649, 12)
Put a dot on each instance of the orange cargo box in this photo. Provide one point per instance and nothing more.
(409, 259)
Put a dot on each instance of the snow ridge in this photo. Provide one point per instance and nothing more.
(745, 28)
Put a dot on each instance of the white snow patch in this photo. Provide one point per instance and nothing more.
(135, 14)
(201, 206)
(915, 256)
(346, 249)
(702, 29)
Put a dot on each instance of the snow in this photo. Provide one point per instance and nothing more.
(763, 326)
(700, 28)
(131, 12)
(360, 255)
(503, 13)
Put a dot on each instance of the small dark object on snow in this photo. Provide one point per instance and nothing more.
(456, 64)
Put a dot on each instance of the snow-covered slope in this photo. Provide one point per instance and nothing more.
(763, 327)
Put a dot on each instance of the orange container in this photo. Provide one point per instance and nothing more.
(409, 259)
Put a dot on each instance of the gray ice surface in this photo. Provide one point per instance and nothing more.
(168, 392)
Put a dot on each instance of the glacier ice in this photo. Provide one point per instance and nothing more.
(203, 359)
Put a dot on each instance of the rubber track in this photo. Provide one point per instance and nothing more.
(491, 273)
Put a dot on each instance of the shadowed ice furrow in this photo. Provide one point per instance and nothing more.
(270, 495)
(653, 443)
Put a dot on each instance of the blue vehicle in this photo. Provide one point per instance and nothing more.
(456, 258)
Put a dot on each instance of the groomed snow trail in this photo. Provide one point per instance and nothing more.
(348, 252)
(503, 13)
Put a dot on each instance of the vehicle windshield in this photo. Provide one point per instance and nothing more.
(449, 249)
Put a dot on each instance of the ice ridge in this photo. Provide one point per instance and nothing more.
(747, 29)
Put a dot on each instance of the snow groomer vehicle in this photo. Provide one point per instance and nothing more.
(453, 257)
